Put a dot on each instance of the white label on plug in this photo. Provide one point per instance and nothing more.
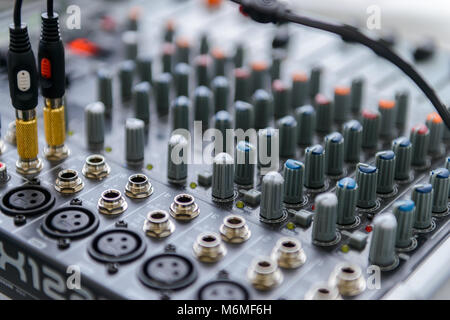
(23, 80)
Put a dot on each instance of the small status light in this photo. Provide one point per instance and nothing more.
(193, 185)
(240, 204)
(369, 228)
(149, 166)
(290, 226)
(108, 149)
(345, 248)
(312, 208)
(70, 133)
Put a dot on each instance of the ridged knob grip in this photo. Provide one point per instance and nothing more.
(366, 177)
(422, 195)
(402, 148)
(325, 218)
(271, 207)
(385, 162)
(222, 177)
(334, 154)
(95, 125)
(306, 121)
(293, 181)
(245, 164)
(404, 213)
(347, 195)
(134, 141)
(315, 167)
(177, 167)
(382, 246)
(440, 180)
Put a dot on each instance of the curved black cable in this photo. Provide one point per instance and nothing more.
(17, 14)
(272, 11)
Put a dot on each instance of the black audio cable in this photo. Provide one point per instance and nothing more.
(272, 11)
(23, 87)
(52, 76)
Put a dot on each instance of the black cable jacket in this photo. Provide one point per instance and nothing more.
(380, 49)
(18, 14)
(50, 8)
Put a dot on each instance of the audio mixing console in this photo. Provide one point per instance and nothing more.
(339, 190)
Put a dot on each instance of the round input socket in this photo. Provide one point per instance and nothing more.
(70, 222)
(27, 201)
(168, 271)
(223, 290)
(117, 246)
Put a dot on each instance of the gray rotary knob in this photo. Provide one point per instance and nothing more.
(402, 148)
(341, 104)
(324, 224)
(167, 57)
(130, 41)
(293, 181)
(382, 246)
(126, 74)
(334, 154)
(182, 50)
(177, 168)
(420, 139)
(299, 90)
(422, 195)
(95, 125)
(271, 208)
(241, 84)
(352, 141)
(314, 81)
(181, 78)
(204, 44)
(366, 177)
(404, 213)
(356, 94)
(315, 167)
(202, 70)
(145, 68)
(385, 162)
(180, 113)
(371, 121)
(244, 164)
(239, 55)
(306, 121)
(281, 95)
(436, 126)
(219, 62)
(202, 105)
(222, 178)
(347, 195)
(388, 112)
(267, 140)
(134, 141)
(162, 93)
(440, 180)
(105, 89)
(287, 127)
(142, 102)
(221, 89)
(401, 101)
(244, 115)
(260, 77)
(262, 103)
(324, 113)
(222, 122)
